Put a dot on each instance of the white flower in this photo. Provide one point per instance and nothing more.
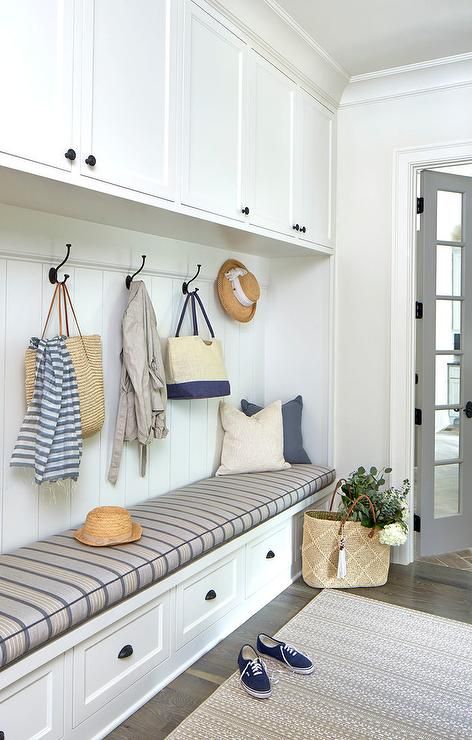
(392, 534)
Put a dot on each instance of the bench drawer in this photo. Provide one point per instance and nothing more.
(33, 707)
(269, 560)
(209, 595)
(110, 661)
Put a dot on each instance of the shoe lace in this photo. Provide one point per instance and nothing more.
(256, 667)
(289, 649)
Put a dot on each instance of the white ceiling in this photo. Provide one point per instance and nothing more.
(370, 35)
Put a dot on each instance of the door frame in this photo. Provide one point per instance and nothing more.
(406, 165)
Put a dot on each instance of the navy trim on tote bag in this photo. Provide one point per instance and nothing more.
(197, 388)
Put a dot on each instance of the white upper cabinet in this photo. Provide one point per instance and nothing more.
(36, 67)
(271, 140)
(215, 62)
(128, 94)
(313, 210)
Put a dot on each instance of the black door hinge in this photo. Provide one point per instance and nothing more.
(418, 417)
(420, 205)
(419, 310)
(416, 523)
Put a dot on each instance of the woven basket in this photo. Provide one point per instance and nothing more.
(86, 356)
(367, 560)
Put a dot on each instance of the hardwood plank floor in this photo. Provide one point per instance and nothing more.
(446, 592)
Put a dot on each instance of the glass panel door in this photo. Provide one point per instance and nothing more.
(444, 360)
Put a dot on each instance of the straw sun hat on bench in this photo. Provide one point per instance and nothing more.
(108, 525)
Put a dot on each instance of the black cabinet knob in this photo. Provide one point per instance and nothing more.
(270, 555)
(468, 409)
(125, 652)
(70, 154)
(303, 229)
(91, 161)
(210, 595)
(296, 227)
(245, 211)
(2, 735)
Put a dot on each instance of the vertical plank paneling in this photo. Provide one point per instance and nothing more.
(23, 310)
(115, 297)
(159, 458)
(3, 285)
(85, 494)
(179, 431)
(192, 449)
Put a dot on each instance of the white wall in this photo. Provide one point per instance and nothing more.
(368, 135)
(30, 242)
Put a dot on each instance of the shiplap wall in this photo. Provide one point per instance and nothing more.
(102, 256)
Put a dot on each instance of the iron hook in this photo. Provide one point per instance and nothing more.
(185, 289)
(54, 270)
(129, 278)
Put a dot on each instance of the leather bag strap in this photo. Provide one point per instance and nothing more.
(351, 509)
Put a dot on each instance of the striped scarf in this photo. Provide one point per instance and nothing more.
(50, 438)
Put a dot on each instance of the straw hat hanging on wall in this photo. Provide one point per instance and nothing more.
(108, 525)
(238, 290)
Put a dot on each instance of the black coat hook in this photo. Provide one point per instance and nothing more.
(185, 289)
(54, 270)
(129, 278)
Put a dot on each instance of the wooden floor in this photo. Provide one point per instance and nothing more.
(431, 588)
(461, 559)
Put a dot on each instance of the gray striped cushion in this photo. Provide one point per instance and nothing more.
(56, 583)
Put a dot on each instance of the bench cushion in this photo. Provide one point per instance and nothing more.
(54, 584)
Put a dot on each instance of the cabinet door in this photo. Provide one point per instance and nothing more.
(36, 64)
(214, 98)
(271, 115)
(313, 173)
(128, 94)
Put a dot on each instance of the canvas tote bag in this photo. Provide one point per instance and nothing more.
(195, 366)
(337, 553)
(86, 356)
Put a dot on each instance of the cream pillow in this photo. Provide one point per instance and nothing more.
(252, 444)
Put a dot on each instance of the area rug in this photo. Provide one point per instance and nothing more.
(382, 672)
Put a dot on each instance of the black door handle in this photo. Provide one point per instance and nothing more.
(125, 652)
(210, 595)
(270, 555)
(296, 227)
(70, 154)
(468, 409)
(245, 211)
(91, 160)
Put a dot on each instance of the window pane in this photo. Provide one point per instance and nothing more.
(449, 225)
(448, 380)
(448, 270)
(446, 490)
(448, 325)
(446, 438)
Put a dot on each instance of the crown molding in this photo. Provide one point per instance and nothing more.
(405, 68)
(404, 94)
(292, 23)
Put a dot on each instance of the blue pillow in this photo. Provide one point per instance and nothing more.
(292, 423)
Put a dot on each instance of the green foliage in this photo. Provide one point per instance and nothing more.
(389, 504)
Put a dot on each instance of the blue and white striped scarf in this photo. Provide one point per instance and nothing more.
(50, 438)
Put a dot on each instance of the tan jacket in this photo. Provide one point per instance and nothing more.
(141, 411)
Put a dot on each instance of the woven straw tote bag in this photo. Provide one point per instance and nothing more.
(328, 539)
(86, 356)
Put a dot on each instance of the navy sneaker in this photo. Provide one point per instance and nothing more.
(254, 676)
(295, 660)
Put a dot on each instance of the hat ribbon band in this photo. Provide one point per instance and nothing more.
(240, 295)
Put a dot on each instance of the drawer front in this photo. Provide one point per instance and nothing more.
(204, 598)
(33, 707)
(269, 560)
(110, 661)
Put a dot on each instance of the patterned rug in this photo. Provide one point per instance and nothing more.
(382, 672)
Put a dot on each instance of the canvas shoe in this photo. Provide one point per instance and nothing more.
(281, 651)
(254, 676)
